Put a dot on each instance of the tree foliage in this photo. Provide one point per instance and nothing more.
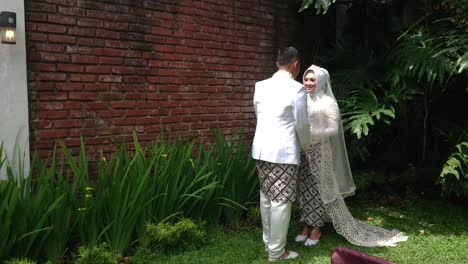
(454, 174)
(398, 80)
(320, 5)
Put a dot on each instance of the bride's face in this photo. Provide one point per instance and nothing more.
(310, 81)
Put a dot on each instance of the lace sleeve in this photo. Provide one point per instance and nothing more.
(326, 123)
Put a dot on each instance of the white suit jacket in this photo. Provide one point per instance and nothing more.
(282, 124)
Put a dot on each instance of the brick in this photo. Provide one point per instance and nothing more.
(36, 36)
(95, 105)
(79, 50)
(141, 46)
(135, 62)
(132, 36)
(145, 105)
(38, 7)
(138, 112)
(50, 76)
(88, 22)
(72, 142)
(183, 49)
(161, 31)
(170, 119)
(107, 52)
(85, 132)
(52, 96)
(70, 68)
(140, 28)
(43, 124)
(83, 77)
(91, 42)
(70, 86)
(123, 105)
(50, 28)
(56, 133)
(147, 120)
(110, 96)
(42, 86)
(100, 15)
(125, 121)
(124, 70)
(111, 60)
(54, 57)
(66, 123)
(111, 113)
(62, 2)
(41, 67)
(72, 11)
(107, 34)
(135, 96)
(49, 47)
(134, 79)
(52, 114)
(131, 53)
(164, 48)
(37, 17)
(59, 19)
(84, 59)
(98, 69)
(116, 44)
(116, 26)
(83, 114)
(80, 31)
(82, 96)
(96, 87)
(110, 78)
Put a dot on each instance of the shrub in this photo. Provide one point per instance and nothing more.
(253, 217)
(58, 205)
(99, 254)
(181, 235)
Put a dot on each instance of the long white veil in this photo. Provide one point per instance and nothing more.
(328, 160)
(328, 127)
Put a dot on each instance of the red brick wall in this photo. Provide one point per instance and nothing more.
(101, 69)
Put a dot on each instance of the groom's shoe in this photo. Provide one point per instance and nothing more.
(291, 255)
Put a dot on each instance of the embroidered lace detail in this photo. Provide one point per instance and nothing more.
(319, 156)
(359, 233)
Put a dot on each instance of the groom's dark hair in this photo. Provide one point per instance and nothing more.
(287, 56)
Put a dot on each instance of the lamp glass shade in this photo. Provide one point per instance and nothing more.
(8, 27)
(8, 35)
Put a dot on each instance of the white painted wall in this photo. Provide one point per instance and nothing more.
(14, 128)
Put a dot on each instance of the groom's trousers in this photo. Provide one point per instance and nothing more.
(277, 193)
(275, 221)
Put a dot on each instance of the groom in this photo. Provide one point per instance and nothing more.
(282, 130)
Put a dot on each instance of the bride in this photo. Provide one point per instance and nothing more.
(325, 176)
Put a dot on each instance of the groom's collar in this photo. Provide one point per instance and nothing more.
(282, 74)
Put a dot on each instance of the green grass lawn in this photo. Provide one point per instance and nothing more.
(438, 233)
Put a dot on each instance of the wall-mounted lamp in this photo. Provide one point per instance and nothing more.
(8, 27)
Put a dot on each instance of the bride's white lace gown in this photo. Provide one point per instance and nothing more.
(325, 176)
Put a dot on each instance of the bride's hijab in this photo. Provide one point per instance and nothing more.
(322, 94)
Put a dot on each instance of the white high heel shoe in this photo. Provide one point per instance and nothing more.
(300, 238)
(310, 242)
